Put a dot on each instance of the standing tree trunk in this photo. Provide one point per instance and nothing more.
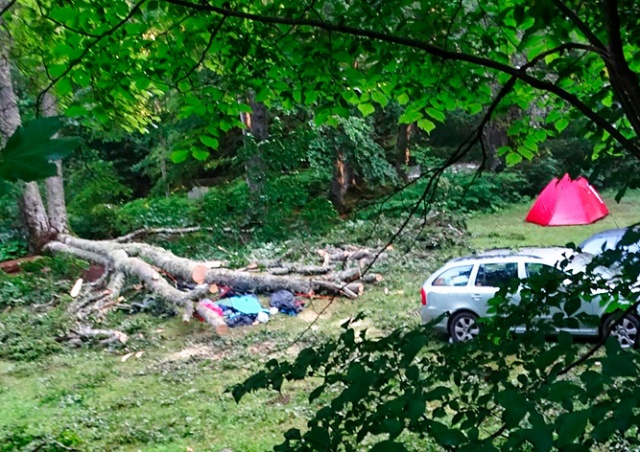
(403, 152)
(31, 206)
(34, 218)
(257, 125)
(341, 181)
(9, 114)
(56, 206)
(494, 136)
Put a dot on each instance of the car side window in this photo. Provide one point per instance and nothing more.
(492, 275)
(456, 276)
(535, 268)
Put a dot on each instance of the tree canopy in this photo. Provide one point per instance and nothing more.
(120, 66)
(555, 60)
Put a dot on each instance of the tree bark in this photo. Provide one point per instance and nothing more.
(34, 218)
(494, 136)
(403, 152)
(56, 205)
(341, 181)
(256, 124)
(9, 113)
(32, 208)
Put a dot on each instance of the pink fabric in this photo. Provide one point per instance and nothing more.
(567, 202)
(214, 307)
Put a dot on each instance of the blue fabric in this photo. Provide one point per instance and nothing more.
(246, 304)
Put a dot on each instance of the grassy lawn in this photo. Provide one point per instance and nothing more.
(173, 397)
(507, 228)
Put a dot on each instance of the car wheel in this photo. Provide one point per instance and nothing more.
(626, 331)
(463, 327)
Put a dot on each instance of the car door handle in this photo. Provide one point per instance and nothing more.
(476, 296)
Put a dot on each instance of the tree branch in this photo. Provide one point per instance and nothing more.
(623, 79)
(213, 35)
(7, 6)
(436, 51)
(601, 342)
(583, 27)
(86, 50)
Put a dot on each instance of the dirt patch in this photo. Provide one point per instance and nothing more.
(197, 351)
(264, 348)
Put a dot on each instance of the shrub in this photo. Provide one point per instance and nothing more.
(174, 211)
(488, 192)
(19, 438)
(29, 336)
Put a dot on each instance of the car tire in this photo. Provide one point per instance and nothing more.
(627, 331)
(463, 327)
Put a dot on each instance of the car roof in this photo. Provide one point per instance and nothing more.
(548, 255)
(607, 233)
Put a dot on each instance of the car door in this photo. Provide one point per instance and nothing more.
(451, 290)
(487, 280)
(534, 268)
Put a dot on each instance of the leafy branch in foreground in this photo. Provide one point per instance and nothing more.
(30, 152)
(501, 391)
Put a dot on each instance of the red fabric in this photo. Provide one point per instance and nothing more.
(567, 202)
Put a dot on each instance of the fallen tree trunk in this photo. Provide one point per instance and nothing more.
(150, 264)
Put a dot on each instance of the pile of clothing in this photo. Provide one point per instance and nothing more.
(241, 309)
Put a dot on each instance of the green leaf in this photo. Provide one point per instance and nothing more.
(200, 154)
(561, 124)
(571, 306)
(389, 446)
(548, 357)
(571, 426)
(76, 110)
(63, 14)
(426, 125)
(410, 116)
(318, 438)
(540, 438)
(562, 390)
(513, 158)
(403, 99)
(515, 406)
(393, 427)
(366, 109)
(380, 98)
(81, 78)
(64, 87)
(436, 114)
(474, 108)
(445, 436)
(209, 141)
(179, 156)
(604, 430)
(417, 407)
(30, 150)
(619, 366)
(412, 348)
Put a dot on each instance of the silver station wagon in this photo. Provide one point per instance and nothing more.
(462, 288)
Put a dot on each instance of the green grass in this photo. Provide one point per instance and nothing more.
(174, 396)
(508, 229)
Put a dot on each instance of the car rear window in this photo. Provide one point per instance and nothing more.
(456, 276)
(492, 275)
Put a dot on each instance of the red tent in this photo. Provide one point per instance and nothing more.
(567, 202)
